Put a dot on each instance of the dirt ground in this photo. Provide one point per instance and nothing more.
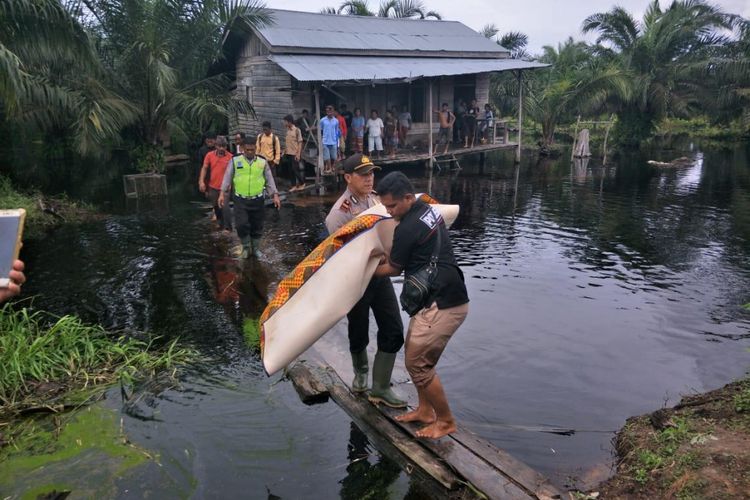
(698, 449)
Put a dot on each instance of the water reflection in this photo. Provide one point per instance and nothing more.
(364, 478)
(597, 292)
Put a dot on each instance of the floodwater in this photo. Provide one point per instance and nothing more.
(597, 293)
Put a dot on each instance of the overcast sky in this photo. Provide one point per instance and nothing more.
(546, 22)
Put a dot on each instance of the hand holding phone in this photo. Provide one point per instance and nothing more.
(11, 269)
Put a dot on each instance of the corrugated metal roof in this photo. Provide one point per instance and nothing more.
(308, 30)
(315, 68)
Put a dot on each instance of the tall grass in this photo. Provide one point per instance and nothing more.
(36, 348)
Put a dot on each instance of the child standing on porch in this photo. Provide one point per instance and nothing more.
(358, 130)
(374, 133)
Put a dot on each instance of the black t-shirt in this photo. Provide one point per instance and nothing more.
(413, 243)
(347, 118)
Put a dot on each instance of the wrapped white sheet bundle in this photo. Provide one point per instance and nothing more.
(324, 287)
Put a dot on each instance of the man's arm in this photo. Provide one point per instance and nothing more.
(202, 176)
(226, 182)
(277, 149)
(299, 145)
(386, 268)
(271, 186)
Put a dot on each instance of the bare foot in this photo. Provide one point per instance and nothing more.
(437, 429)
(418, 415)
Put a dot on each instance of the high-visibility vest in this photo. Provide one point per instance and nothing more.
(248, 179)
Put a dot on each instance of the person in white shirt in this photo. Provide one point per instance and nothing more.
(375, 134)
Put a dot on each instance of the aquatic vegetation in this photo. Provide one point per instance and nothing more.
(84, 452)
(251, 332)
(41, 354)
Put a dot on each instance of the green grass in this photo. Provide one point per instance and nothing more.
(699, 127)
(742, 400)
(251, 332)
(37, 348)
(667, 442)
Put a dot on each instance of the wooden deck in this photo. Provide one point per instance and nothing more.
(422, 156)
(459, 466)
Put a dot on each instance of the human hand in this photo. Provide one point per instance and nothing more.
(202, 186)
(220, 201)
(296, 158)
(276, 201)
(17, 278)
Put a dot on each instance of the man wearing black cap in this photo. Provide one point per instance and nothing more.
(379, 295)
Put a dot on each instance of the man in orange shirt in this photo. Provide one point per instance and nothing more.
(215, 164)
(342, 137)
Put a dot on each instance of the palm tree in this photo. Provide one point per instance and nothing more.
(355, 8)
(514, 41)
(97, 67)
(162, 68)
(406, 9)
(727, 97)
(575, 83)
(51, 76)
(660, 54)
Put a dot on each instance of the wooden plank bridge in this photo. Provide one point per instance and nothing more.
(460, 465)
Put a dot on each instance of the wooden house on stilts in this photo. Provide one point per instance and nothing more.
(305, 60)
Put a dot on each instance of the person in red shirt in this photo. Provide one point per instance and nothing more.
(215, 164)
(342, 137)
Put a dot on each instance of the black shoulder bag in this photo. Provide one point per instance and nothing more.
(417, 288)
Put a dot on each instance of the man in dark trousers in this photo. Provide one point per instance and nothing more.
(247, 176)
(214, 166)
(420, 229)
(379, 295)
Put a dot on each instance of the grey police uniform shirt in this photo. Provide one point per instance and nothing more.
(339, 216)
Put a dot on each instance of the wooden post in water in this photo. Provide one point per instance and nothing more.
(429, 132)
(318, 132)
(520, 114)
(575, 138)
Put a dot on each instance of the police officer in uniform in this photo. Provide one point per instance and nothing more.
(249, 175)
(379, 295)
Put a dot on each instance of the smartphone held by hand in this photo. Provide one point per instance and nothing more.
(11, 231)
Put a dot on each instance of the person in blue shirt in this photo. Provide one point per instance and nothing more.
(330, 132)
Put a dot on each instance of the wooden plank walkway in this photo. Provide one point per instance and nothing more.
(421, 156)
(462, 464)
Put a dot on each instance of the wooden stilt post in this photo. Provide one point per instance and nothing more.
(429, 133)
(575, 138)
(520, 114)
(318, 132)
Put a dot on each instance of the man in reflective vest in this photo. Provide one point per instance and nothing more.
(249, 175)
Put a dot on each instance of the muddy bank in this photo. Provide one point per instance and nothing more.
(700, 448)
(44, 212)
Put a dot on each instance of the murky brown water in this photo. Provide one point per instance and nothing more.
(597, 293)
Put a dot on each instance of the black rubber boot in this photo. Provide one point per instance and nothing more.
(361, 367)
